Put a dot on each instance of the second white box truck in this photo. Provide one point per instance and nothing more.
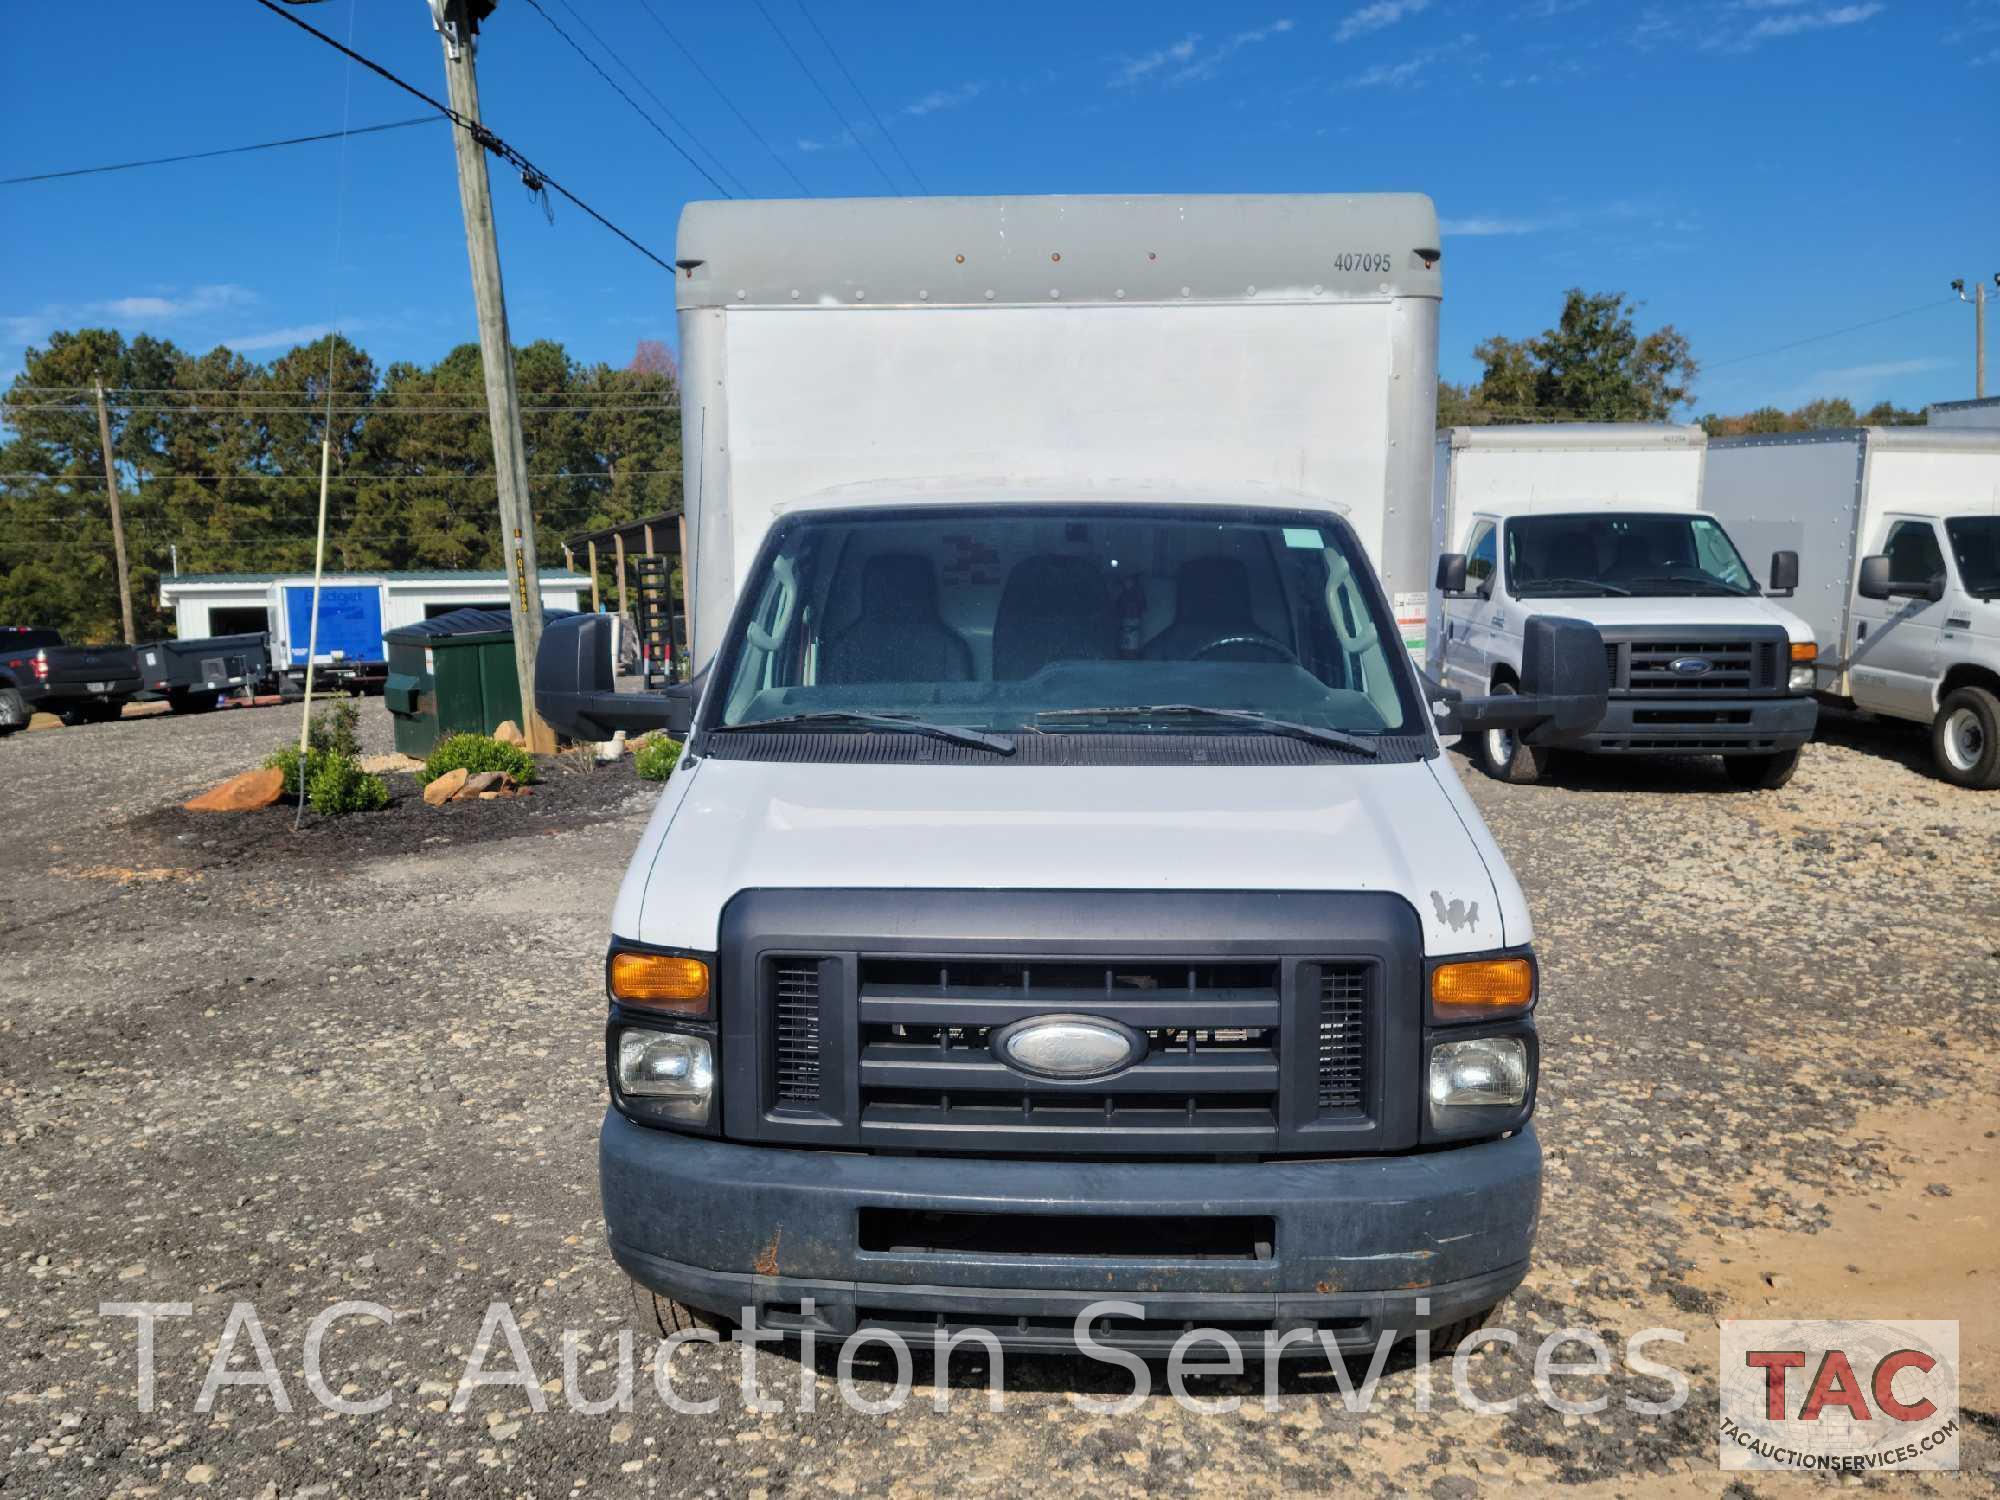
(1898, 532)
(1601, 521)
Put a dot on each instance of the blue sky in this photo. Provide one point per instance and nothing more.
(1754, 171)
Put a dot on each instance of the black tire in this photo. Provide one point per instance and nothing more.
(1502, 755)
(1761, 773)
(1965, 738)
(1445, 1340)
(658, 1316)
(14, 711)
(97, 711)
(191, 703)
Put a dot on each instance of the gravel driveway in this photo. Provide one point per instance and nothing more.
(291, 1074)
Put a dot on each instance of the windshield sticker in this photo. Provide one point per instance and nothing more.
(1307, 537)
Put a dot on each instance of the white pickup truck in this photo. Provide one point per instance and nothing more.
(1900, 531)
(1602, 522)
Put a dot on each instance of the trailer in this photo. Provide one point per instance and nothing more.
(1898, 533)
(356, 610)
(193, 674)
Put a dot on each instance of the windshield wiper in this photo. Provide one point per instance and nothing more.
(1524, 590)
(1699, 585)
(896, 723)
(1336, 738)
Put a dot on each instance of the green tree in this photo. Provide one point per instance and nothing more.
(1593, 365)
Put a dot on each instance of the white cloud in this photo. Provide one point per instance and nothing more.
(1985, 59)
(284, 338)
(938, 99)
(1792, 22)
(1132, 70)
(1481, 227)
(1377, 16)
(1389, 75)
(1873, 374)
(136, 313)
(1204, 66)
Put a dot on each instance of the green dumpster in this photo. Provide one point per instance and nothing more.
(451, 675)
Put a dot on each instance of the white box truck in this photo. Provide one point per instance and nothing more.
(1601, 521)
(1898, 532)
(1063, 906)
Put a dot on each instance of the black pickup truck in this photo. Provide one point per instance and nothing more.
(39, 672)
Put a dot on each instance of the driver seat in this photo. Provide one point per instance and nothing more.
(1214, 602)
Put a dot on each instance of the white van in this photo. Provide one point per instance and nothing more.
(1063, 896)
(1601, 521)
(1899, 529)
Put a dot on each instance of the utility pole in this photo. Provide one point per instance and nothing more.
(457, 22)
(117, 517)
(1978, 301)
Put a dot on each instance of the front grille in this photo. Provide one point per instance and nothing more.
(1735, 667)
(1210, 1071)
(1343, 1036)
(795, 1019)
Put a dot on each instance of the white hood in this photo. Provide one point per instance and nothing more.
(1681, 609)
(725, 826)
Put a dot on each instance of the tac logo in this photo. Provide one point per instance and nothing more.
(1839, 1397)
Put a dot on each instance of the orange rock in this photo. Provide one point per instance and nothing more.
(509, 733)
(446, 787)
(478, 786)
(245, 793)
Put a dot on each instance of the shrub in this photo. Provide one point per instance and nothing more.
(334, 730)
(476, 753)
(338, 785)
(656, 756)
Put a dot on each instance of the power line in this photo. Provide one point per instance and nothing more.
(695, 62)
(162, 161)
(637, 107)
(665, 108)
(813, 79)
(865, 104)
(1832, 334)
(532, 175)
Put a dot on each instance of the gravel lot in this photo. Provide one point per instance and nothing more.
(293, 1070)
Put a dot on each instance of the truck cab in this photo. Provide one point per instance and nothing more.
(1926, 622)
(1062, 899)
(1597, 522)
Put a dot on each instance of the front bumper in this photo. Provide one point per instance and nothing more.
(1360, 1244)
(1701, 726)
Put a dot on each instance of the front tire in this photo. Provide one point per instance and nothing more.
(1761, 773)
(1965, 739)
(14, 711)
(660, 1317)
(1503, 755)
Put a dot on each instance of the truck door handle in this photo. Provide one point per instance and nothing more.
(1861, 631)
(1498, 620)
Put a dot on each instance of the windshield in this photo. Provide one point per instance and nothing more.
(1975, 543)
(1045, 618)
(1634, 553)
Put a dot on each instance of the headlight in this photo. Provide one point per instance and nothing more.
(1803, 679)
(672, 1067)
(1485, 1071)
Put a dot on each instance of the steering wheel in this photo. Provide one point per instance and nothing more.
(1257, 642)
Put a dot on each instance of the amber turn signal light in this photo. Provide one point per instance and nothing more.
(1482, 988)
(660, 981)
(1805, 651)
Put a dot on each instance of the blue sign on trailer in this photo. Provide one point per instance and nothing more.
(350, 623)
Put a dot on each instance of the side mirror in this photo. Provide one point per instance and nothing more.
(1451, 573)
(1784, 573)
(577, 695)
(1874, 580)
(1565, 686)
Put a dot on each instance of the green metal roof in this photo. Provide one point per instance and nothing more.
(393, 575)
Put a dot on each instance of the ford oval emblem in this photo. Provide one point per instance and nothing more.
(1691, 666)
(1069, 1046)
